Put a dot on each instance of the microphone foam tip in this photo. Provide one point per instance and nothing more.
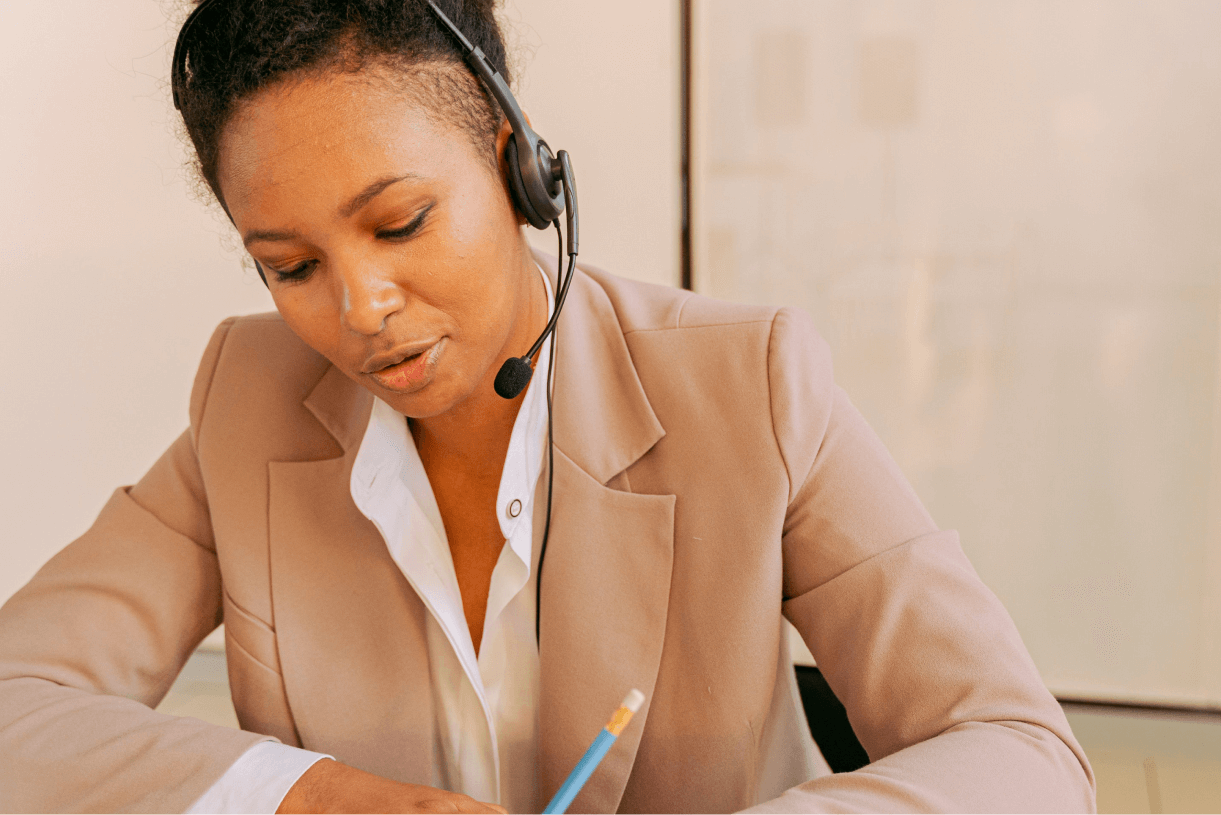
(513, 377)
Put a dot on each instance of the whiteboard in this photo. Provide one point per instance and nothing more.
(1005, 218)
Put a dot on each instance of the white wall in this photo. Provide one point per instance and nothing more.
(1005, 217)
(114, 277)
(600, 80)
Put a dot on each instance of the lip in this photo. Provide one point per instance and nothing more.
(396, 355)
(408, 368)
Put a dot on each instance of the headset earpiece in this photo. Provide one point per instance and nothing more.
(542, 208)
(521, 199)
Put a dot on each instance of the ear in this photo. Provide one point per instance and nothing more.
(502, 142)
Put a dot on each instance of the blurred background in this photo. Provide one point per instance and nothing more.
(1003, 215)
(1005, 218)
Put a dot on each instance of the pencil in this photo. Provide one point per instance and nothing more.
(593, 756)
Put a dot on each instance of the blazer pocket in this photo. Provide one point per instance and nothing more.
(255, 684)
(250, 634)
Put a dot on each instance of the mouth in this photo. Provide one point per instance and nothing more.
(389, 359)
(409, 369)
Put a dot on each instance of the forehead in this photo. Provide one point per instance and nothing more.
(321, 136)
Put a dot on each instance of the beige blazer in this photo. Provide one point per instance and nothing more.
(709, 478)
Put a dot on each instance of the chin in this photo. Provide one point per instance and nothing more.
(433, 399)
(419, 405)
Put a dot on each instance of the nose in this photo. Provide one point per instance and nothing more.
(368, 296)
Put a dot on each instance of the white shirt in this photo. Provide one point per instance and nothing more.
(486, 705)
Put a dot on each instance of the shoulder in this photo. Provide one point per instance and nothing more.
(781, 338)
(253, 379)
(727, 364)
(264, 334)
(248, 349)
(649, 307)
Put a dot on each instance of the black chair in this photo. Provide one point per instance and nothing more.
(829, 722)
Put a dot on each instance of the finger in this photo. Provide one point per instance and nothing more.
(481, 808)
(471, 805)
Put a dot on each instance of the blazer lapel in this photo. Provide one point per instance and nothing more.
(606, 574)
(350, 629)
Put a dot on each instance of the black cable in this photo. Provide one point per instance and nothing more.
(542, 549)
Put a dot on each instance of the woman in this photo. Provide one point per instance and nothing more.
(366, 514)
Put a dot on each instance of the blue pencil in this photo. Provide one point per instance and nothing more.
(593, 756)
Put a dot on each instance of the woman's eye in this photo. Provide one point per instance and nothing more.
(297, 273)
(302, 270)
(408, 230)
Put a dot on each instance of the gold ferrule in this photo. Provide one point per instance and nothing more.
(619, 721)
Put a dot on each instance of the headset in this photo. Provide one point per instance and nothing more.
(542, 187)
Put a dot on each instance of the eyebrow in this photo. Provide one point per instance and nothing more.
(349, 209)
(370, 192)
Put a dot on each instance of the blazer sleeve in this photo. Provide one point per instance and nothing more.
(934, 676)
(93, 642)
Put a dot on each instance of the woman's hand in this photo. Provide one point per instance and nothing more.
(329, 786)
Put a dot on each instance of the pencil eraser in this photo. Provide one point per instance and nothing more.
(633, 700)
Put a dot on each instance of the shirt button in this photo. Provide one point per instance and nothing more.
(514, 508)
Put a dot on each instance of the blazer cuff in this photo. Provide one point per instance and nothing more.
(258, 781)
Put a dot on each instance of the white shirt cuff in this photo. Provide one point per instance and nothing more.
(258, 781)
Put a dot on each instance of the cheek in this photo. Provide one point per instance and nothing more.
(481, 216)
(484, 246)
(481, 303)
(478, 280)
(314, 320)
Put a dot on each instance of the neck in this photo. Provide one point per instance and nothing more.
(473, 435)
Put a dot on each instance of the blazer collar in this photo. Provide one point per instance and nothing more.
(342, 407)
(603, 420)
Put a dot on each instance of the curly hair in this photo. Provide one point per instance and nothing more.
(241, 47)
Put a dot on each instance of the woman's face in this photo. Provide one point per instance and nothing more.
(386, 237)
